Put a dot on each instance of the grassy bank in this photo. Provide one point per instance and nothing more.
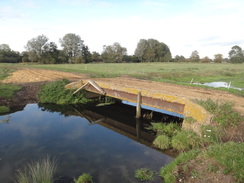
(179, 73)
(6, 90)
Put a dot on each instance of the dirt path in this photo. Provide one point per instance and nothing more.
(27, 76)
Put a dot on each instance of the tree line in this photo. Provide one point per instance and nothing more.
(41, 50)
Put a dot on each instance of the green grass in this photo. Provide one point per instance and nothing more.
(144, 174)
(84, 178)
(162, 141)
(7, 90)
(4, 109)
(229, 156)
(179, 73)
(5, 72)
(56, 93)
(223, 112)
(186, 140)
(38, 172)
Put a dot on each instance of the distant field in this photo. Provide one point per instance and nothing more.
(180, 73)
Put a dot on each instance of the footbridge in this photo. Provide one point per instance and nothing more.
(147, 97)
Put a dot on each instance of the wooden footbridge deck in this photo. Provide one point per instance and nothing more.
(147, 97)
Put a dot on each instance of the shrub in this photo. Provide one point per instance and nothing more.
(186, 140)
(144, 174)
(55, 92)
(162, 142)
(84, 178)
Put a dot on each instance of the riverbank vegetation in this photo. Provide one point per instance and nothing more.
(205, 157)
(56, 93)
(6, 90)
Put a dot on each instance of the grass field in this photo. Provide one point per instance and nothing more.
(179, 73)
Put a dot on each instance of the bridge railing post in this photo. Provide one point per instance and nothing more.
(138, 105)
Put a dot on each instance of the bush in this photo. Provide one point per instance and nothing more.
(162, 142)
(84, 178)
(55, 92)
(186, 140)
(144, 174)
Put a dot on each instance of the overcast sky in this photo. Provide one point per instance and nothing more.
(208, 26)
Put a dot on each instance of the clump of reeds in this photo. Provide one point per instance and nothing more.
(38, 172)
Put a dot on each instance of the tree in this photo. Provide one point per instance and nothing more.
(9, 56)
(72, 45)
(86, 54)
(152, 50)
(218, 58)
(50, 53)
(178, 58)
(5, 47)
(35, 48)
(96, 57)
(113, 53)
(194, 56)
(206, 60)
(236, 54)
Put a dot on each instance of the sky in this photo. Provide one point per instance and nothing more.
(208, 26)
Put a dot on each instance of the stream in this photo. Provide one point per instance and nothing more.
(107, 142)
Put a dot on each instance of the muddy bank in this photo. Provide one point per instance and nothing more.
(26, 95)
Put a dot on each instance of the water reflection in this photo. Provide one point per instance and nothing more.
(80, 147)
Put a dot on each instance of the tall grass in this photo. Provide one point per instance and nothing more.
(38, 172)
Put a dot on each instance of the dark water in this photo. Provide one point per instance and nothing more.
(96, 144)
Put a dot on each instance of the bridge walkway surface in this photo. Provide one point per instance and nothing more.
(128, 89)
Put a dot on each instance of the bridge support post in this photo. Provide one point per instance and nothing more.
(138, 106)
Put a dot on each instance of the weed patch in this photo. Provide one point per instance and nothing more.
(55, 92)
(144, 174)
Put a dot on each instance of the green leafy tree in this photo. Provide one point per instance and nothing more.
(218, 58)
(72, 45)
(152, 50)
(236, 54)
(113, 53)
(5, 47)
(96, 57)
(50, 53)
(179, 58)
(194, 56)
(9, 56)
(86, 54)
(35, 48)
